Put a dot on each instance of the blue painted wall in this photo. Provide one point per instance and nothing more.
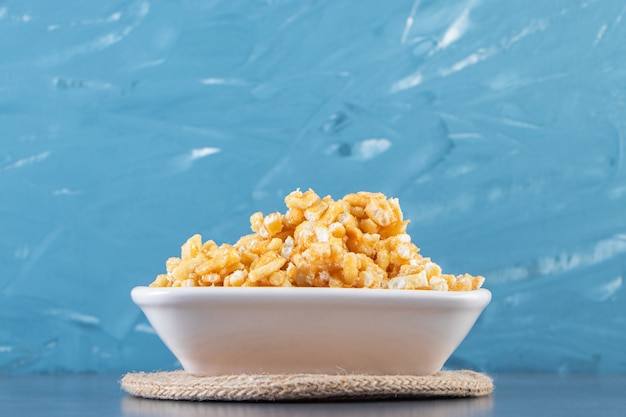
(127, 126)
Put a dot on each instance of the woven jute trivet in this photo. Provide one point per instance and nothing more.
(178, 385)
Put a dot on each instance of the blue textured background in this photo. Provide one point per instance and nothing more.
(127, 126)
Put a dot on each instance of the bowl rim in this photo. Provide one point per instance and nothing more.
(155, 296)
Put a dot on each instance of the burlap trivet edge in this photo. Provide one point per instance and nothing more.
(178, 385)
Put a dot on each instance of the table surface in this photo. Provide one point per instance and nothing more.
(515, 395)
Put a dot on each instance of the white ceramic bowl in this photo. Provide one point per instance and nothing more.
(226, 330)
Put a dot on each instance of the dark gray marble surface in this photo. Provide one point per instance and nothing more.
(515, 395)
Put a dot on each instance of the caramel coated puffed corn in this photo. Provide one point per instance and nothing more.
(359, 241)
